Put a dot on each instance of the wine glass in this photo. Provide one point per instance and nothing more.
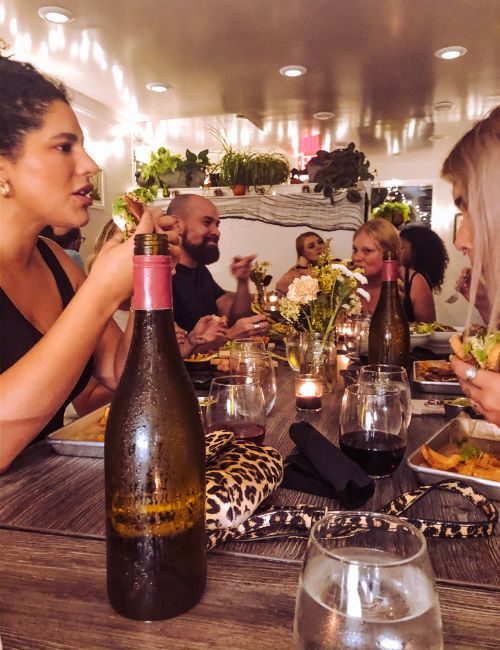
(259, 366)
(367, 582)
(387, 375)
(355, 334)
(372, 427)
(239, 346)
(236, 403)
(292, 344)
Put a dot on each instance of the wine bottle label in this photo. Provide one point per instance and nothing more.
(152, 282)
(390, 270)
(136, 519)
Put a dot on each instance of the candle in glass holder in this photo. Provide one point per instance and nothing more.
(308, 392)
(272, 301)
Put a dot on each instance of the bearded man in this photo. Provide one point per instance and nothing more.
(196, 293)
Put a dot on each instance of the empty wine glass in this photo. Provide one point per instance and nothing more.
(247, 345)
(386, 374)
(236, 403)
(372, 427)
(367, 582)
(259, 366)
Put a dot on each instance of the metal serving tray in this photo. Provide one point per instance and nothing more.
(458, 429)
(446, 387)
(85, 436)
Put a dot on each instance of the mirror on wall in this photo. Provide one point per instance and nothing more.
(418, 198)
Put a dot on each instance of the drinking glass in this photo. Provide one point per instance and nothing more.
(372, 427)
(381, 374)
(259, 366)
(238, 346)
(355, 330)
(367, 582)
(292, 343)
(236, 403)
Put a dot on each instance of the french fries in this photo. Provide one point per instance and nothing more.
(467, 460)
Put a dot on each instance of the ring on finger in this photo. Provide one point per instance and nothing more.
(471, 374)
(256, 326)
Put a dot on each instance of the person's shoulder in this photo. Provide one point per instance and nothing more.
(73, 270)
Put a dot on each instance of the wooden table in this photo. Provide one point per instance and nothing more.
(52, 576)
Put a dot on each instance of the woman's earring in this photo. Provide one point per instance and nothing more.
(4, 189)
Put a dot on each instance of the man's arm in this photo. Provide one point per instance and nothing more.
(238, 304)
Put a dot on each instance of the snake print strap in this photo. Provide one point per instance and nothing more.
(296, 521)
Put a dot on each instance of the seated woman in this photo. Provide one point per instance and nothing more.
(57, 330)
(424, 260)
(370, 242)
(206, 331)
(309, 247)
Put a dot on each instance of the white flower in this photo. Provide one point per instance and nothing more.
(303, 290)
(360, 277)
(364, 294)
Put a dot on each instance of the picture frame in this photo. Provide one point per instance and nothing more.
(97, 193)
(457, 222)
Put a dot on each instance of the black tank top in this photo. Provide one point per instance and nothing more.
(19, 335)
(407, 303)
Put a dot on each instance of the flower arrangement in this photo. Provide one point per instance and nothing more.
(261, 279)
(314, 302)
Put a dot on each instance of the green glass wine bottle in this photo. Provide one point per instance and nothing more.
(154, 459)
(389, 336)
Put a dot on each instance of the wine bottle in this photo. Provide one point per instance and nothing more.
(154, 459)
(389, 335)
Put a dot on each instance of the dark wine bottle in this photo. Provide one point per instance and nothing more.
(154, 459)
(389, 336)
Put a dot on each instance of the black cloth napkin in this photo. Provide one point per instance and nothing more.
(321, 468)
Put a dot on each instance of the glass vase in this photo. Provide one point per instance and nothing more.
(318, 356)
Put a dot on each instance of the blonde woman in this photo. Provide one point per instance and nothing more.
(473, 169)
(370, 242)
(309, 247)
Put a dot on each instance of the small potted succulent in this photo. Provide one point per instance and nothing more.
(338, 170)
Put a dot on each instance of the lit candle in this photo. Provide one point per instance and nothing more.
(308, 392)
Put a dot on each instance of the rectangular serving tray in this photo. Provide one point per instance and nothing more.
(458, 429)
(445, 387)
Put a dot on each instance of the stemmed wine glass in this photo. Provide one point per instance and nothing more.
(372, 427)
(236, 403)
(380, 374)
(259, 366)
(367, 582)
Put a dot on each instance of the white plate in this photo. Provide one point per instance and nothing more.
(419, 340)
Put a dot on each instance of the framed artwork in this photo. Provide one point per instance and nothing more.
(97, 193)
(457, 222)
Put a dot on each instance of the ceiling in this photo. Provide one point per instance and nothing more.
(371, 62)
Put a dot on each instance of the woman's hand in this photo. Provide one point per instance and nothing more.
(249, 326)
(180, 334)
(207, 330)
(483, 390)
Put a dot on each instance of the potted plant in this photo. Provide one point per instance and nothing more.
(338, 170)
(194, 167)
(397, 212)
(268, 169)
(161, 170)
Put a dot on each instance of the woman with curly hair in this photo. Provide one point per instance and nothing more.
(424, 259)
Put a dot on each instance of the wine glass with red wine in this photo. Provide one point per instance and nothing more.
(373, 427)
(236, 403)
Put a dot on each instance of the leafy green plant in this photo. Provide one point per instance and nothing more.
(340, 169)
(194, 166)
(161, 162)
(396, 212)
(268, 169)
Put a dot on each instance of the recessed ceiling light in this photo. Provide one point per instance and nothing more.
(55, 14)
(324, 115)
(436, 137)
(443, 106)
(451, 52)
(158, 87)
(293, 71)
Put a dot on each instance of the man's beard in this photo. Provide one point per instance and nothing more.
(204, 253)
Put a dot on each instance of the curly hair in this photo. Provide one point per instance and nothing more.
(25, 97)
(428, 254)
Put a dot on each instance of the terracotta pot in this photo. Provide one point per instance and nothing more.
(239, 190)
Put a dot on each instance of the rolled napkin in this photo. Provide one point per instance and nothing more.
(322, 468)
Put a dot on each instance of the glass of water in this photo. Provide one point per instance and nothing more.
(367, 582)
(292, 343)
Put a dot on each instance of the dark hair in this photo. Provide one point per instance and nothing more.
(25, 96)
(71, 236)
(299, 242)
(429, 254)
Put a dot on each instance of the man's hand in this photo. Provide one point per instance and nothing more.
(241, 267)
(248, 326)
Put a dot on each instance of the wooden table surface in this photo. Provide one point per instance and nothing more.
(52, 560)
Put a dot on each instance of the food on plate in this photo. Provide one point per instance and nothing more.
(104, 418)
(480, 347)
(201, 357)
(435, 371)
(127, 209)
(429, 328)
(464, 459)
